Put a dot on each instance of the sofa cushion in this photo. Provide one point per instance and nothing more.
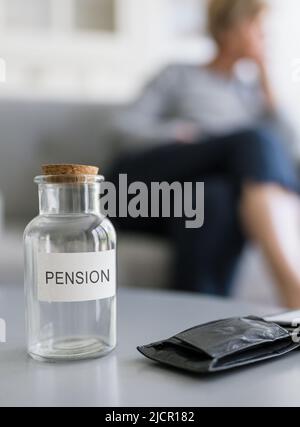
(35, 132)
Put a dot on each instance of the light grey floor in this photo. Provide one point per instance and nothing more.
(125, 378)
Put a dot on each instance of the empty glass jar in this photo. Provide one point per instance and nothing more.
(70, 268)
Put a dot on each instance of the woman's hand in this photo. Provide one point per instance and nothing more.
(266, 84)
(252, 37)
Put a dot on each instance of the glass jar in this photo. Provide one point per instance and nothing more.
(70, 269)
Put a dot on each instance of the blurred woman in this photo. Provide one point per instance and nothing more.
(206, 123)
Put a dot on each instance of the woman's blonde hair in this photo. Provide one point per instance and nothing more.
(225, 14)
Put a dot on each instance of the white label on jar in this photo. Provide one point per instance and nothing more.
(70, 277)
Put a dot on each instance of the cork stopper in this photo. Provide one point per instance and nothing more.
(69, 170)
(69, 173)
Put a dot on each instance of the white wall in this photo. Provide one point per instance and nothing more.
(113, 66)
(284, 54)
(60, 61)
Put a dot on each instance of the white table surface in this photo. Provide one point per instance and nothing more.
(126, 378)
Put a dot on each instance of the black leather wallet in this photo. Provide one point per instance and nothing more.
(222, 345)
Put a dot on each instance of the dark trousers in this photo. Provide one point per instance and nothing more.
(206, 258)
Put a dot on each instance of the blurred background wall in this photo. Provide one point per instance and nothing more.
(106, 49)
(94, 48)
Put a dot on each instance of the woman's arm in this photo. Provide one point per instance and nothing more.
(151, 117)
(266, 86)
(277, 118)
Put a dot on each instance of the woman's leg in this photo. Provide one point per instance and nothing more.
(270, 207)
(271, 217)
(269, 202)
(206, 258)
(264, 176)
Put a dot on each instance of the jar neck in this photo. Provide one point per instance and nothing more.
(69, 198)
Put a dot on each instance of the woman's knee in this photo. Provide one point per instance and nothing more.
(261, 156)
(261, 142)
